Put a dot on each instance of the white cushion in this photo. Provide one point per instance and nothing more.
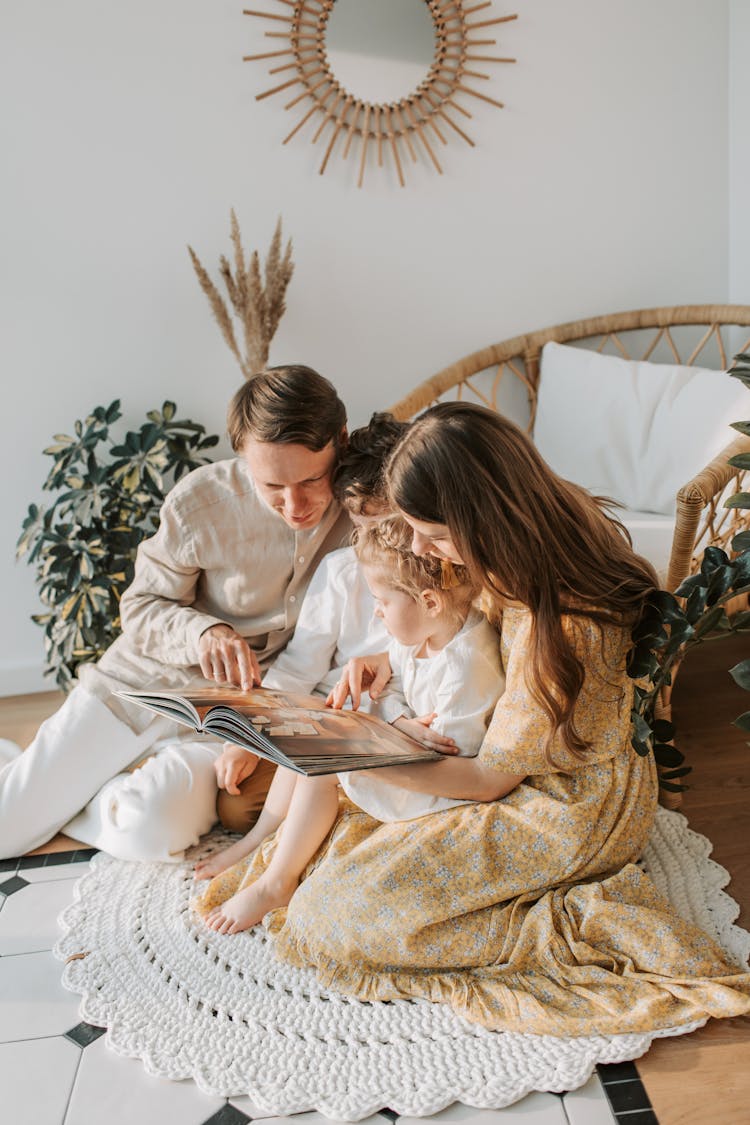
(652, 536)
(631, 430)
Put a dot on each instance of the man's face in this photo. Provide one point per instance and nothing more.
(292, 480)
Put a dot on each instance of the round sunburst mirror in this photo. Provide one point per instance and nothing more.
(392, 77)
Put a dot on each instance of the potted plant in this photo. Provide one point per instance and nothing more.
(108, 495)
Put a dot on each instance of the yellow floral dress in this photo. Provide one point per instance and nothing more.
(524, 914)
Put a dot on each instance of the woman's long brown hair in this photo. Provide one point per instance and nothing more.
(525, 535)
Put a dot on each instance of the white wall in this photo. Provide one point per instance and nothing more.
(739, 152)
(130, 129)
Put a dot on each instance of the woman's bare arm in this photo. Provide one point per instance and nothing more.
(465, 778)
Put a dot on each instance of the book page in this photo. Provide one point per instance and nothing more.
(311, 734)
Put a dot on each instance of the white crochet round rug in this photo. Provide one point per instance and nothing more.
(223, 1011)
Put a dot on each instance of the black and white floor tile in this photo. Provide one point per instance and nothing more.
(57, 1070)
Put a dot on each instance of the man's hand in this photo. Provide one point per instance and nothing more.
(420, 730)
(226, 657)
(361, 673)
(232, 767)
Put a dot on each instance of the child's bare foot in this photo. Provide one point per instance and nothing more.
(214, 864)
(248, 906)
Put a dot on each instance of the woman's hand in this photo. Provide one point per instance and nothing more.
(226, 657)
(419, 730)
(361, 673)
(232, 767)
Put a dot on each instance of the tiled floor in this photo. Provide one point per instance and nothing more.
(56, 1070)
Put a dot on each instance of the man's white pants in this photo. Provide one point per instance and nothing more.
(74, 766)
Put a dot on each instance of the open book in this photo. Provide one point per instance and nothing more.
(296, 731)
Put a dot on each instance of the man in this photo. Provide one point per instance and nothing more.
(215, 598)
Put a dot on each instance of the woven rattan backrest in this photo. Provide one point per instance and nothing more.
(507, 374)
(505, 377)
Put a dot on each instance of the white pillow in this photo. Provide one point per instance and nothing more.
(632, 430)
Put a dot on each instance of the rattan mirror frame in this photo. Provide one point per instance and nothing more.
(412, 126)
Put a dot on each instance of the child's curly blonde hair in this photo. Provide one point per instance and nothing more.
(387, 545)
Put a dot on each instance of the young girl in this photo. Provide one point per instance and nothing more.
(448, 657)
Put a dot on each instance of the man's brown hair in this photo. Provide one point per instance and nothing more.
(291, 405)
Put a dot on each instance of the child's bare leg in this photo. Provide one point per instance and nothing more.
(273, 812)
(311, 816)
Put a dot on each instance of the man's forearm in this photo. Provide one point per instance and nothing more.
(157, 608)
(164, 630)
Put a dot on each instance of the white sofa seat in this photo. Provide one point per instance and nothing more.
(633, 431)
(652, 535)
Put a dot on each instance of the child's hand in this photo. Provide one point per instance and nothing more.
(232, 766)
(361, 673)
(420, 730)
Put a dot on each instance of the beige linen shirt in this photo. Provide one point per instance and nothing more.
(220, 556)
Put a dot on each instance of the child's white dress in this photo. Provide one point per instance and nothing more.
(336, 622)
(462, 683)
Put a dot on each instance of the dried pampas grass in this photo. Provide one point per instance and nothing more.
(256, 299)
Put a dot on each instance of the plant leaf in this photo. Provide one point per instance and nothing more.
(711, 620)
(696, 604)
(663, 730)
(721, 580)
(741, 674)
(741, 373)
(641, 728)
(666, 755)
(739, 500)
(687, 585)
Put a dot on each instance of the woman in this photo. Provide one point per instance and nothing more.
(524, 911)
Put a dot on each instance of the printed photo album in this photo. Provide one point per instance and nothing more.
(296, 731)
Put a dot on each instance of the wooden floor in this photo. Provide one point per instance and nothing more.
(705, 1077)
(693, 1079)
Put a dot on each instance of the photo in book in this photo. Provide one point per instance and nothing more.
(291, 730)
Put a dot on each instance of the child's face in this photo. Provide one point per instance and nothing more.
(408, 621)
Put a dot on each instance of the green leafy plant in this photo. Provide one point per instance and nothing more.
(699, 611)
(83, 545)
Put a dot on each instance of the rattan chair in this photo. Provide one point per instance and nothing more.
(705, 335)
